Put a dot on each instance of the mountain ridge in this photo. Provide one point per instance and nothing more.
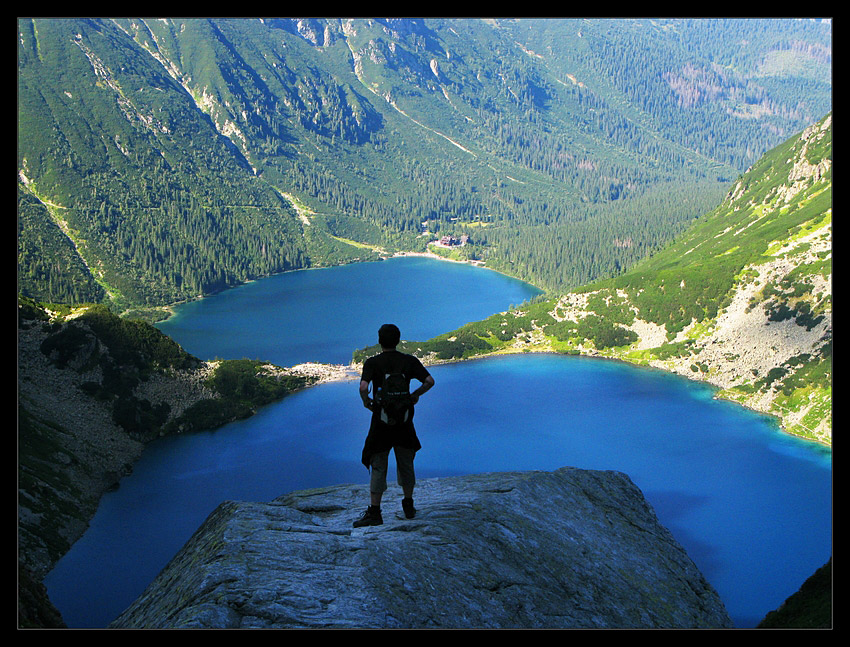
(168, 144)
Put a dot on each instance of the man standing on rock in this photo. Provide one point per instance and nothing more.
(389, 374)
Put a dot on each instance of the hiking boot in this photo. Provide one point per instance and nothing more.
(407, 506)
(372, 517)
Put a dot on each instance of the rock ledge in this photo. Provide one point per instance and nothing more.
(565, 549)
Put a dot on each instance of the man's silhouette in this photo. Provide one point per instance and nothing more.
(392, 422)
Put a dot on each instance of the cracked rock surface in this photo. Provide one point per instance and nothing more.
(565, 549)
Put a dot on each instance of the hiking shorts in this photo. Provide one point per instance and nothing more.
(404, 469)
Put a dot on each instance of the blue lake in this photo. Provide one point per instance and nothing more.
(323, 315)
(752, 506)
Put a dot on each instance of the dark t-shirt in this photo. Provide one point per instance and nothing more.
(383, 437)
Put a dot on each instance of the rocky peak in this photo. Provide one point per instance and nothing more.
(564, 549)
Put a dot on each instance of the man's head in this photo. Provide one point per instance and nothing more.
(389, 336)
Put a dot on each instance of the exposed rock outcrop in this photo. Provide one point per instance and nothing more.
(71, 450)
(564, 549)
(70, 453)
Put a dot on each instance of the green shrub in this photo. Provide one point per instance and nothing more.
(604, 333)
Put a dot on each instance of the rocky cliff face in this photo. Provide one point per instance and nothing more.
(564, 549)
(71, 449)
(770, 345)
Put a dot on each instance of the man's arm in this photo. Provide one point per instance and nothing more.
(427, 383)
(364, 394)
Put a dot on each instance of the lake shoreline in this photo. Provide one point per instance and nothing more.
(170, 310)
(681, 367)
(340, 373)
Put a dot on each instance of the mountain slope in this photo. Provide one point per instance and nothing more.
(178, 157)
(742, 300)
(93, 390)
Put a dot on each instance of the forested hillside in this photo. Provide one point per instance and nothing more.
(742, 299)
(159, 160)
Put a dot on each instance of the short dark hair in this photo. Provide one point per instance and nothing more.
(389, 336)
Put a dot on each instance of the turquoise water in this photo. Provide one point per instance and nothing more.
(751, 505)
